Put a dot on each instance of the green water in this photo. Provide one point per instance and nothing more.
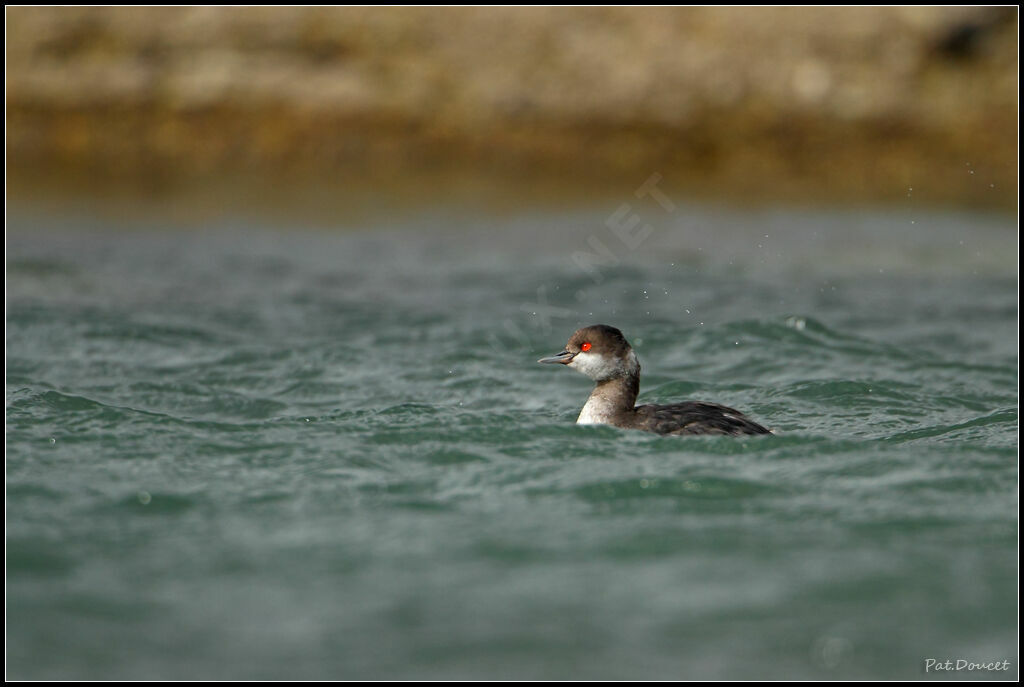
(246, 451)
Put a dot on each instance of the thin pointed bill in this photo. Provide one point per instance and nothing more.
(565, 357)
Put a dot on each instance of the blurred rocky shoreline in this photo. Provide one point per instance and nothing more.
(745, 104)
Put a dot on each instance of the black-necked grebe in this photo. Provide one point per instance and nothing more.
(603, 354)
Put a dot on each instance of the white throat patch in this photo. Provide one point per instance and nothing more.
(601, 367)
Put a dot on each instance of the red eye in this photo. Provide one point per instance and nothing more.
(585, 347)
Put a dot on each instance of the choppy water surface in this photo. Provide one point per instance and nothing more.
(272, 452)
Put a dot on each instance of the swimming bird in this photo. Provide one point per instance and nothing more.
(602, 353)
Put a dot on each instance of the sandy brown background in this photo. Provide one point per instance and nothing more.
(744, 104)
